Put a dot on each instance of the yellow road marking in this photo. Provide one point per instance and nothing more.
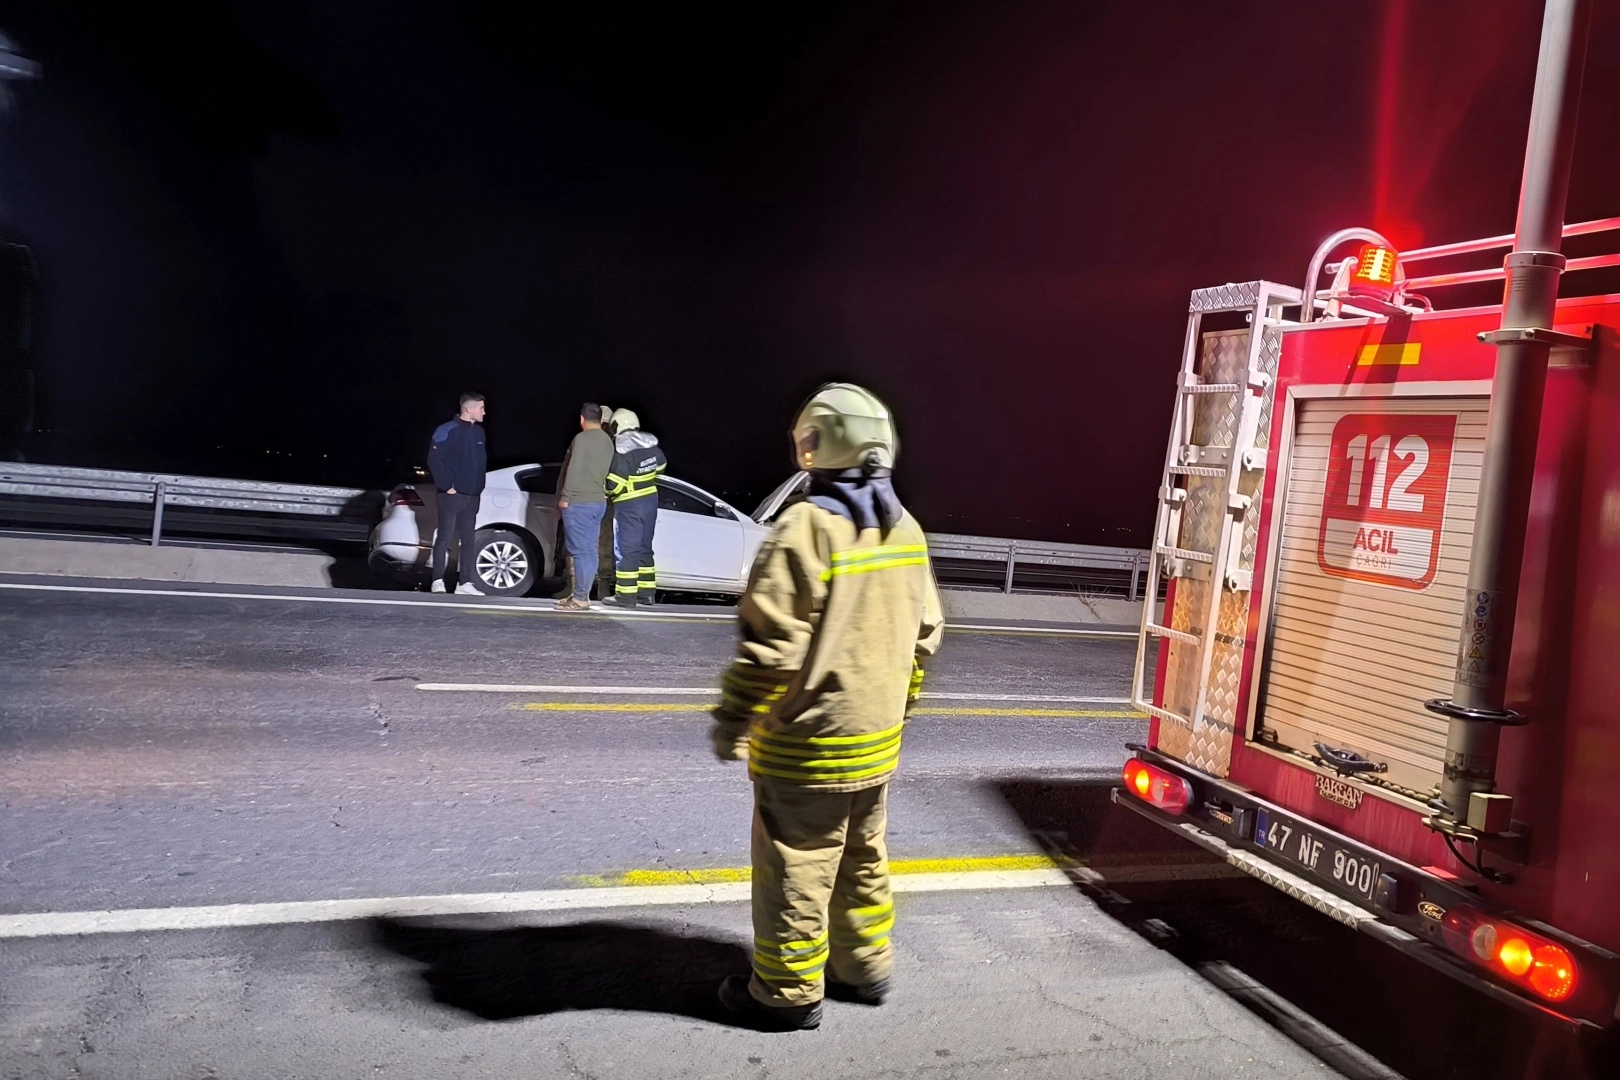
(970, 865)
(687, 706)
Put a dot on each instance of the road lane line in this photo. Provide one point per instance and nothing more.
(897, 867)
(921, 710)
(714, 691)
(230, 916)
(517, 607)
(526, 608)
(1060, 631)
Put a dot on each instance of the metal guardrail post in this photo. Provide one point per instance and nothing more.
(1136, 576)
(157, 513)
(1012, 561)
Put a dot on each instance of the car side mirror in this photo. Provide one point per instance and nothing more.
(723, 511)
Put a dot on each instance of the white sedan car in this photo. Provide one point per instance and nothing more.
(702, 544)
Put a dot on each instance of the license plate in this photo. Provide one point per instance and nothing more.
(1320, 857)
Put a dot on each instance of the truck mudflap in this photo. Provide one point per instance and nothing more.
(1365, 889)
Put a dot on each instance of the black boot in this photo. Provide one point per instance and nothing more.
(625, 600)
(870, 994)
(645, 598)
(750, 1011)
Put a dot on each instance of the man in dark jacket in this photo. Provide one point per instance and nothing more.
(632, 488)
(457, 461)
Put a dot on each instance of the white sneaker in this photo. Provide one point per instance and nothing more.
(467, 588)
(438, 585)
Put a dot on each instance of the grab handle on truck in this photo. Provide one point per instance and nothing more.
(1348, 762)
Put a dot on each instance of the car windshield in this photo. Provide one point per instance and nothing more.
(773, 502)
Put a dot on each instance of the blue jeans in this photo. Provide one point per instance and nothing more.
(582, 531)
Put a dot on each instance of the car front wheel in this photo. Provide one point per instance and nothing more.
(506, 565)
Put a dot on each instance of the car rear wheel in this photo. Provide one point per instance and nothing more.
(506, 564)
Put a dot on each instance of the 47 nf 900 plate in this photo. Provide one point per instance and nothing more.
(1317, 855)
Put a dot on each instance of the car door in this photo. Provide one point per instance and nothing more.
(540, 484)
(699, 540)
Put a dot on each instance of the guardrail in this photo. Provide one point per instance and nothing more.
(1043, 555)
(349, 513)
(346, 511)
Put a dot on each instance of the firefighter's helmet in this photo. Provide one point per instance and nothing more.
(844, 426)
(624, 420)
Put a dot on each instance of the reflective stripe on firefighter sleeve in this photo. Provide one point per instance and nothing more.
(866, 560)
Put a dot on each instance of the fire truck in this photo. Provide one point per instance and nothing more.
(1385, 678)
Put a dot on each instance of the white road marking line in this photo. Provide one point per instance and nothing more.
(528, 608)
(703, 691)
(1130, 635)
(147, 920)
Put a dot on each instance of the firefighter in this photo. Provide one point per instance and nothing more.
(840, 611)
(632, 489)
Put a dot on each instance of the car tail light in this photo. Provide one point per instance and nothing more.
(1160, 787)
(404, 497)
(1521, 956)
(1374, 273)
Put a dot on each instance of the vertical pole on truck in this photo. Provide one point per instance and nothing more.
(1477, 708)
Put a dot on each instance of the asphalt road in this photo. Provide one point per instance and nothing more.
(182, 751)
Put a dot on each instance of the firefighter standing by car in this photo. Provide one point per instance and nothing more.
(632, 489)
(841, 609)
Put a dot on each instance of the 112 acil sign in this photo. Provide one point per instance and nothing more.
(1385, 499)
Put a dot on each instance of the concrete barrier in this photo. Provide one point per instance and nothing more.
(222, 566)
(1069, 608)
(121, 560)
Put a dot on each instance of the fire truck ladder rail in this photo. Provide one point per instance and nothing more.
(1177, 635)
(1197, 417)
(1186, 553)
(1163, 714)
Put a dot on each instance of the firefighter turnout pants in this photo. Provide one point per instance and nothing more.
(634, 521)
(821, 890)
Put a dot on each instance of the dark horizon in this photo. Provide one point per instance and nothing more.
(276, 241)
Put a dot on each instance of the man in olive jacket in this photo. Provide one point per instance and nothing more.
(841, 609)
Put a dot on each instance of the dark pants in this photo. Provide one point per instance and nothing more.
(582, 531)
(635, 520)
(458, 517)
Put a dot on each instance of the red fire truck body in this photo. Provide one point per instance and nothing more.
(1314, 542)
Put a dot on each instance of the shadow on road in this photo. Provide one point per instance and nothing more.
(1359, 1006)
(530, 971)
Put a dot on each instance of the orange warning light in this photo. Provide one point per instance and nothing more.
(1374, 273)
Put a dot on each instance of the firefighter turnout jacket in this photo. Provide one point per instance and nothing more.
(638, 461)
(834, 626)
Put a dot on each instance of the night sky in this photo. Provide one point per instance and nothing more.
(276, 239)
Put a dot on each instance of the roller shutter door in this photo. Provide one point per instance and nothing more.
(1371, 578)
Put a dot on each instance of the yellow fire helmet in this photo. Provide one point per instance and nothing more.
(844, 426)
(624, 420)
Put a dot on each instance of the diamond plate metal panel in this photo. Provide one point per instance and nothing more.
(1232, 296)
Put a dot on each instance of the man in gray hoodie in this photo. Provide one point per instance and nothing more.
(632, 487)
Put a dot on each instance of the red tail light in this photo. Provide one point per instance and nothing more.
(404, 496)
(1521, 956)
(1152, 784)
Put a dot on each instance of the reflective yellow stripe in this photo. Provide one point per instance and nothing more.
(882, 551)
(829, 740)
(807, 754)
(765, 754)
(817, 942)
(807, 777)
(878, 930)
(874, 564)
(636, 494)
